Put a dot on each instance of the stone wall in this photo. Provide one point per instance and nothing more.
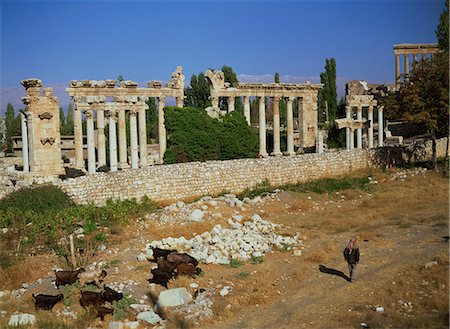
(190, 180)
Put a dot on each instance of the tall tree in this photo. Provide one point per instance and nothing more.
(328, 95)
(62, 117)
(442, 29)
(231, 78)
(151, 119)
(12, 124)
(282, 102)
(277, 77)
(69, 117)
(197, 95)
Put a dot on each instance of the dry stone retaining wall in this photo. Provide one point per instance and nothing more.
(188, 180)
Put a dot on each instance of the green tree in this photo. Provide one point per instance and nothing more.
(328, 95)
(151, 119)
(62, 117)
(282, 102)
(442, 29)
(232, 79)
(67, 126)
(197, 95)
(13, 127)
(277, 77)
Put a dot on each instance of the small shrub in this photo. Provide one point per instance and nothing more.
(242, 275)
(71, 293)
(6, 260)
(285, 247)
(234, 263)
(256, 260)
(259, 189)
(122, 308)
(324, 185)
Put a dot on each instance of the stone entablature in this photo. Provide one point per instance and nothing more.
(105, 103)
(414, 49)
(305, 92)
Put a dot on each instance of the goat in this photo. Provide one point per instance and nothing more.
(91, 298)
(95, 277)
(178, 258)
(159, 253)
(46, 302)
(67, 277)
(187, 269)
(102, 311)
(160, 277)
(110, 295)
(166, 266)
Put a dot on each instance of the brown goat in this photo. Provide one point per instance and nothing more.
(187, 269)
(167, 266)
(178, 258)
(67, 277)
(102, 311)
(91, 298)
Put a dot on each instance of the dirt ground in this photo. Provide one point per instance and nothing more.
(400, 225)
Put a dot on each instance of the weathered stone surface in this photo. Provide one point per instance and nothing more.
(196, 215)
(22, 319)
(174, 297)
(149, 317)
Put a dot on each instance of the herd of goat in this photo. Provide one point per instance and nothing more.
(170, 264)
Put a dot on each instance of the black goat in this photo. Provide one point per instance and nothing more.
(159, 253)
(46, 302)
(110, 295)
(160, 277)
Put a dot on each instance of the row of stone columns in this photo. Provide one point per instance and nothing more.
(406, 64)
(350, 139)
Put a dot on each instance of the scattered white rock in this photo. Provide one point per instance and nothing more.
(196, 215)
(194, 285)
(297, 253)
(140, 307)
(379, 309)
(22, 319)
(141, 257)
(174, 297)
(224, 291)
(149, 317)
(430, 264)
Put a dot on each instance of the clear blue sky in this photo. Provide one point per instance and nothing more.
(146, 40)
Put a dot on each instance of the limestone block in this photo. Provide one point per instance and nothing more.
(23, 319)
(149, 317)
(174, 297)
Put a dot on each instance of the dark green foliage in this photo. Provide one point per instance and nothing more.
(194, 136)
(328, 95)
(122, 307)
(13, 127)
(151, 119)
(262, 188)
(442, 29)
(277, 77)
(67, 123)
(235, 263)
(197, 95)
(325, 185)
(255, 260)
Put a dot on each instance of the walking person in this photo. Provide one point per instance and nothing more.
(351, 255)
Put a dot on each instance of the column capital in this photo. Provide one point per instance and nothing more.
(89, 114)
(133, 111)
(276, 98)
(162, 98)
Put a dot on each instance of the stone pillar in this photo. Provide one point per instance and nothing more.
(290, 126)
(424, 56)
(101, 149)
(179, 101)
(90, 141)
(142, 136)
(215, 102)
(276, 126)
(230, 104)
(262, 127)
(348, 113)
(123, 152)
(380, 127)
(78, 138)
(406, 66)
(247, 109)
(301, 135)
(161, 128)
(23, 120)
(112, 141)
(397, 69)
(415, 60)
(370, 118)
(134, 140)
(359, 130)
(352, 139)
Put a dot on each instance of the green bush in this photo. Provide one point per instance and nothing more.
(192, 135)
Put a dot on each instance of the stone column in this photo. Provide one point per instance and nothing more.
(101, 149)
(301, 134)
(397, 69)
(352, 139)
(380, 127)
(26, 164)
(424, 56)
(262, 127)
(179, 101)
(230, 104)
(276, 126)
(247, 109)
(215, 102)
(370, 118)
(359, 130)
(161, 128)
(90, 141)
(112, 141)
(348, 113)
(123, 152)
(142, 136)
(134, 140)
(406, 66)
(415, 60)
(78, 138)
(290, 126)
